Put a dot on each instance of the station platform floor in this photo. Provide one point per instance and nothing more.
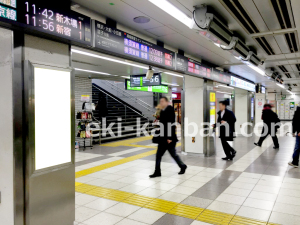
(257, 187)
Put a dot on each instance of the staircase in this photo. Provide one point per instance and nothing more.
(119, 112)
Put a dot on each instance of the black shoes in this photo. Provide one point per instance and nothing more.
(183, 169)
(257, 144)
(276, 147)
(156, 174)
(233, 154)
(226, 158)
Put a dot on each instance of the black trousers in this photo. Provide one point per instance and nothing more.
(229, 151)
(162, 148)
(263, 137)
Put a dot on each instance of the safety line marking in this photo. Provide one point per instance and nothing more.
(112, 164)
(140, 146)
(174, 208)
(127, 142)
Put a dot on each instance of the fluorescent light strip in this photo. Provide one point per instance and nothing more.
(260, 71)
(109, 59)
(126, 77)
(173, 74)
(280, 85)
(170, 84)
(290, 92)
(225, 86)
(224, 92)
(173, 11)
(90, 71)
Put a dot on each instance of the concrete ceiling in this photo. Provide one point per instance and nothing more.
(165, 28)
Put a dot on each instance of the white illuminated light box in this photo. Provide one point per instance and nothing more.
(52, 117)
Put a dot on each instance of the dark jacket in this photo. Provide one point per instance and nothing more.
(229, 117)
(269, 117)
(296, 121)
(102, 105)
(167, 117)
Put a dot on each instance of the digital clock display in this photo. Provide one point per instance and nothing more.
(69, 25)
(120, 42)
(142, 81)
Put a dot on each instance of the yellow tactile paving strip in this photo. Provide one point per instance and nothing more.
(127, 142)
(114, 163)
(178, 209)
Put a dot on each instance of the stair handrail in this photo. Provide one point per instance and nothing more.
(132, 97)
(126, 106)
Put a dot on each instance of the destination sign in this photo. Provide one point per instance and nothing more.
(120, 42)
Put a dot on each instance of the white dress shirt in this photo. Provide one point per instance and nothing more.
(222, 113)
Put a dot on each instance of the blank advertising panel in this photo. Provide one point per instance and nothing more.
(52, 90)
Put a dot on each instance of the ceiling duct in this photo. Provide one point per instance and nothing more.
(283, 11)
(285, 71)
(241, 15)
(211, 27)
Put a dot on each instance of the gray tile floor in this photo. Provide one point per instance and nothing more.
(258, 184)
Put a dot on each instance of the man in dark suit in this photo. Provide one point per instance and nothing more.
(271, 122)
(168, 138)
(226, 122)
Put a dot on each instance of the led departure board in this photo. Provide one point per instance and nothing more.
(142, 81)
(11, 3)
(191, 66)
(43, 16)
(157, 89)
(69, 25)
(117, 41)
(221, 76)
(8, 13)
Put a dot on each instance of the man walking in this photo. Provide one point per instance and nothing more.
(226, 122)
(296, 133)
(271, 122)
(167, 138)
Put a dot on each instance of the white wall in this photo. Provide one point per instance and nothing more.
(193, 112)
(241, 108)
(6, 131)
(258, 109)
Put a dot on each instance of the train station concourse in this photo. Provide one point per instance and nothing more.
(149, 112)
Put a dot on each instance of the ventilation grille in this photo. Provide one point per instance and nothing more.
(240, 13)
(285, 71)
(282, 13)
(285, 22)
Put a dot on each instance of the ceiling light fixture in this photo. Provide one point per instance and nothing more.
(260, 71)
(90, 71)
(226, 86)
(176, 85)
(107, 58)
(224, 92)
(290, 92)
(126, 77)
(173, 11)
(280, 85)
(219, 45)
(173, 74)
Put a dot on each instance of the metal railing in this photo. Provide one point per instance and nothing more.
(124, 105)
(130, 96)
